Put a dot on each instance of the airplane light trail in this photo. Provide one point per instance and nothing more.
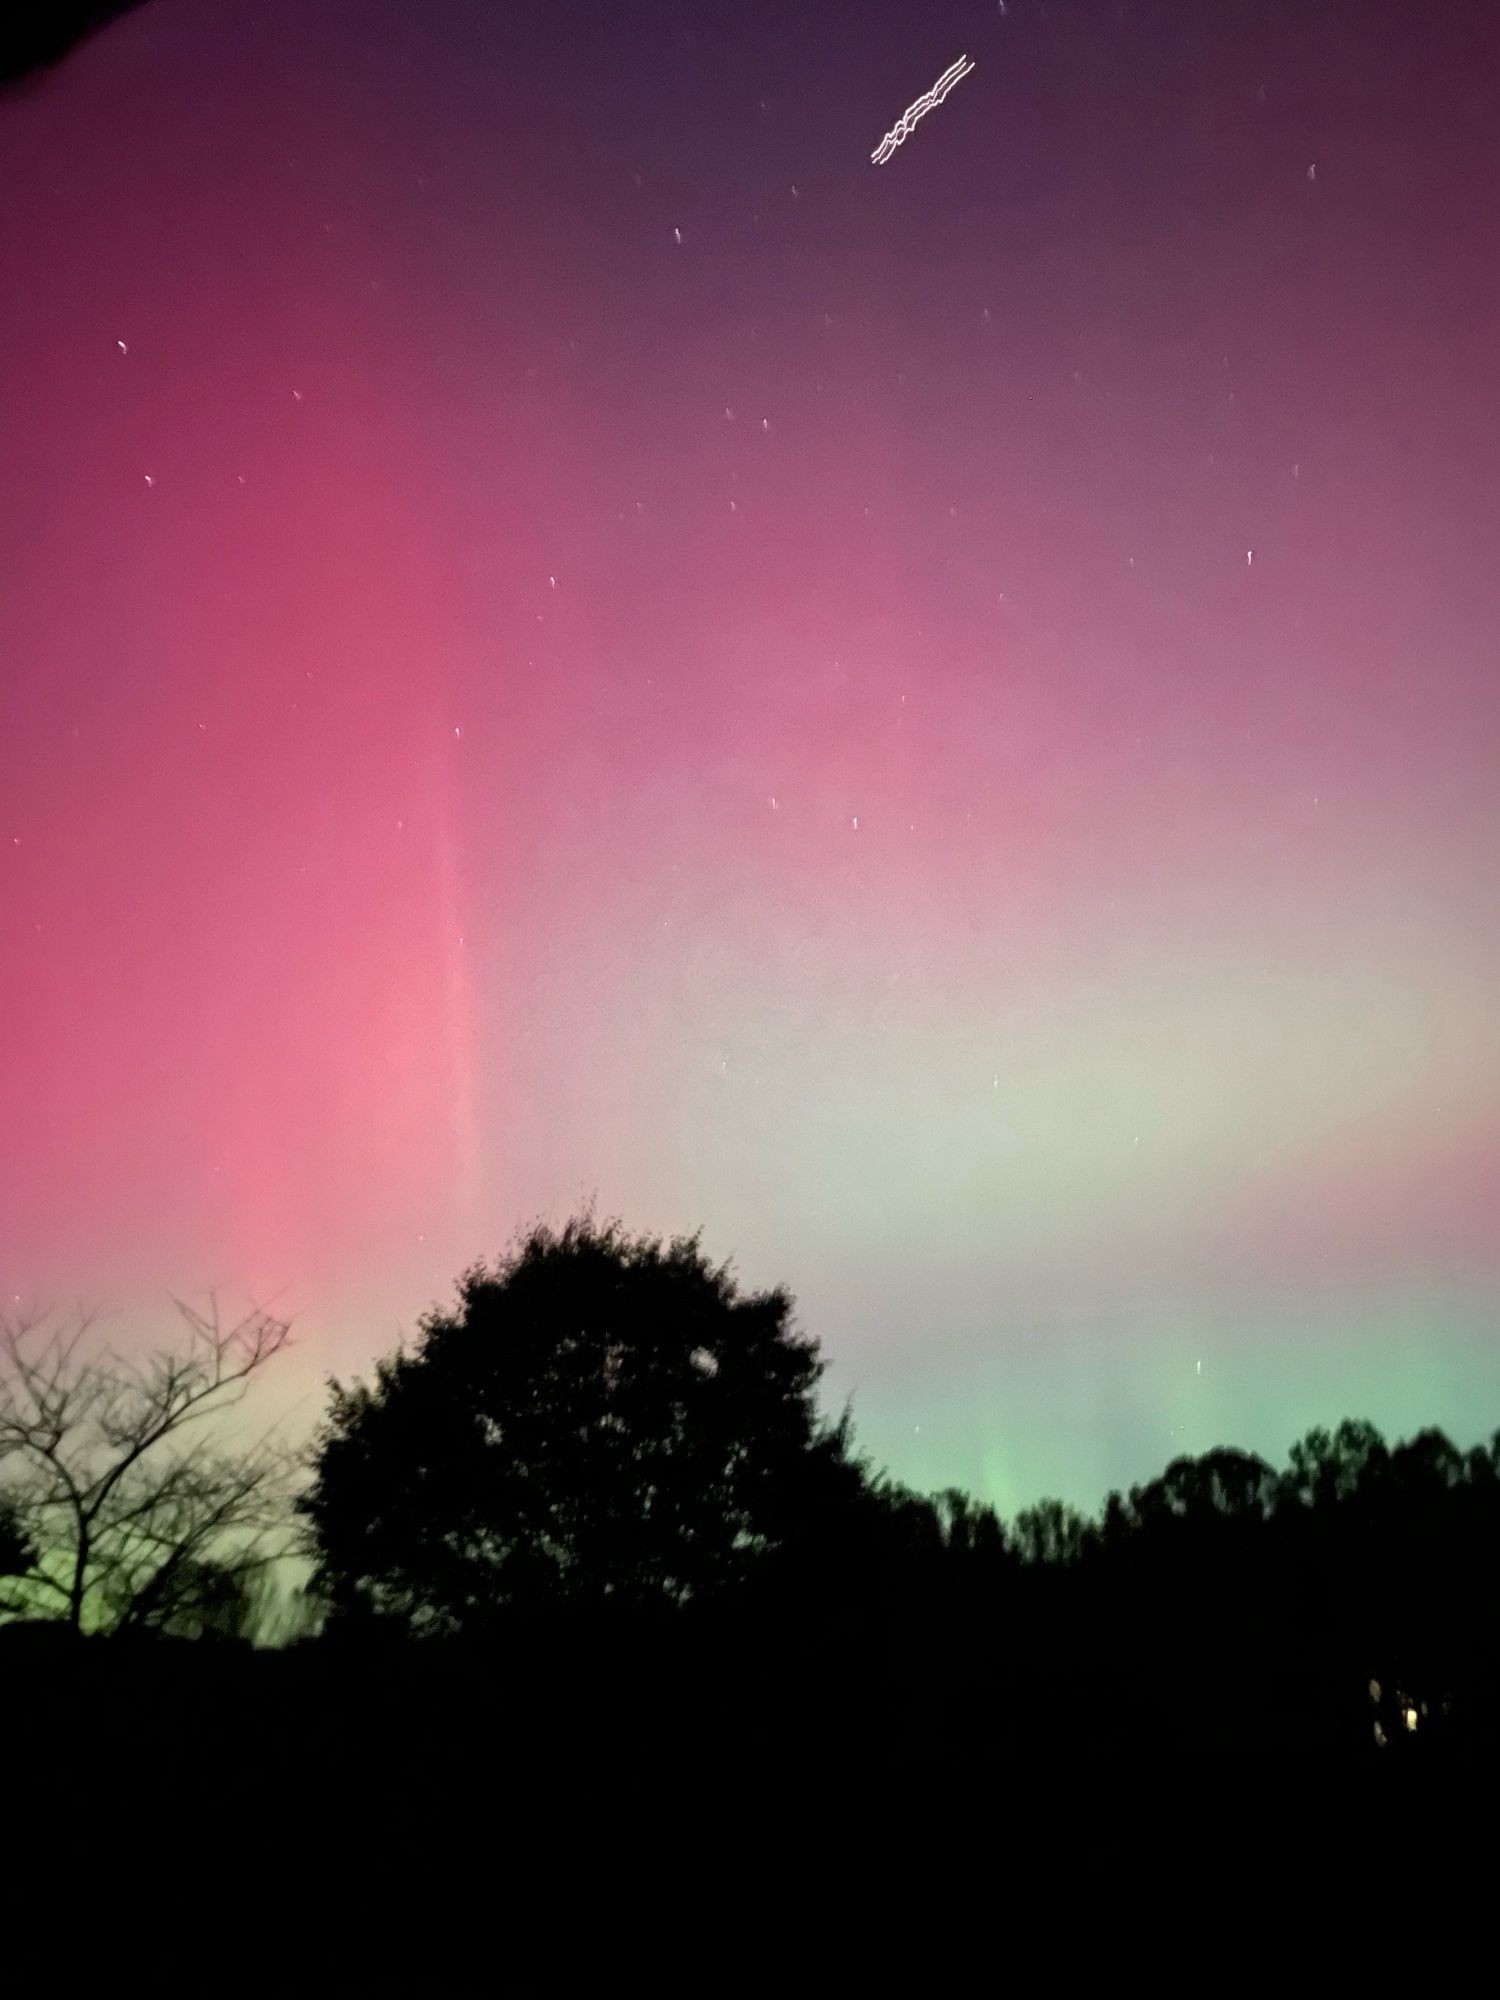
(902, 129)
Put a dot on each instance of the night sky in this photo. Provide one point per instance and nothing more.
(564, 635)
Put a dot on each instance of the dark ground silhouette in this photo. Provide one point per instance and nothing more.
(608, 1600)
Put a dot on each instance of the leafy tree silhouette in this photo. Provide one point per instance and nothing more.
(17, 1551)
(601, 1420)
(1326, 1468)
(1222, 1485)
(1050, 1533)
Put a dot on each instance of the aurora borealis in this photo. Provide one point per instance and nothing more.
(562, 635)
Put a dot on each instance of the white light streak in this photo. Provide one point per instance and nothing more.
(906, 123)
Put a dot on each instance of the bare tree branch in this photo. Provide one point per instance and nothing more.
(131, 1523)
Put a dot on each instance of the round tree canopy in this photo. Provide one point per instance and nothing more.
(599, 1418)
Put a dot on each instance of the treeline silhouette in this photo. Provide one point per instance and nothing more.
(591, 1530)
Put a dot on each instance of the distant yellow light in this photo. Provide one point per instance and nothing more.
(1409, 1717)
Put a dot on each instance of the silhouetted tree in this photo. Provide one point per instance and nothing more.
(969, 1527)
(130, 1517)
(1328, 1467)
(1050, 1532)
(16, 1551)
(601, 1420)
(1430, 1463)
(1222, 1485)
